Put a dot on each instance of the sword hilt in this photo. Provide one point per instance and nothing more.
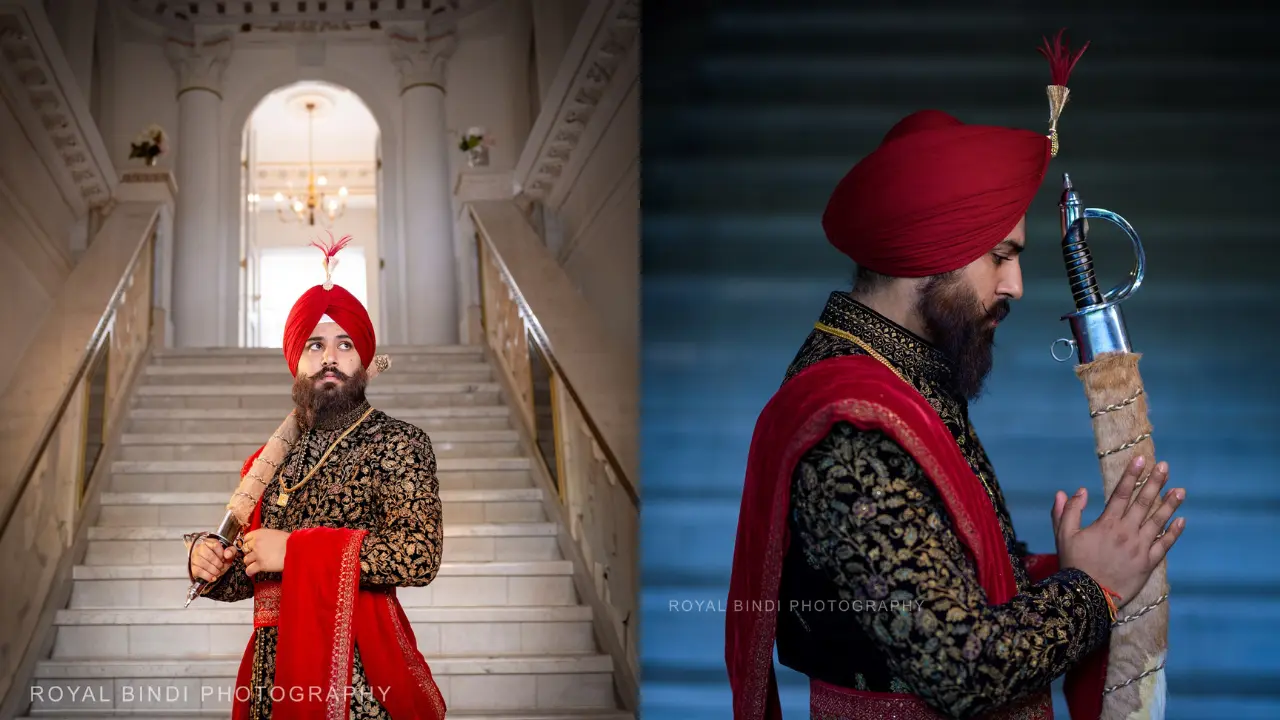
(1097, 325)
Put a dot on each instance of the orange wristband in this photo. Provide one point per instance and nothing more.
(1111, 597)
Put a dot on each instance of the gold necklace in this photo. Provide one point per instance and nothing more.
(864, 345)
(285, 490)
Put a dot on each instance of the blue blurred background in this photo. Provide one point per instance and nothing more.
(753, 111)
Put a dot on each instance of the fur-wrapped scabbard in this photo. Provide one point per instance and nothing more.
(1135, 686)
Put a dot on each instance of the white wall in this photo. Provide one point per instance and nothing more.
(554, 23)
(600, 219)
(35, 231)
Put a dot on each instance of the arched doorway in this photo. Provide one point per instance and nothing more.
(309, 168)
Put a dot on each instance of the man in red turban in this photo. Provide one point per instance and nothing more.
(346, 509)
(874, 544)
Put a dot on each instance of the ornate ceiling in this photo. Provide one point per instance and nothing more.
(187, 18)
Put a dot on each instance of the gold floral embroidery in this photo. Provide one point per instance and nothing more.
(266, 604)
(866, 523)
(343, 637)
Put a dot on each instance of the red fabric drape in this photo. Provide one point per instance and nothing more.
(861, 391)
(322, 616)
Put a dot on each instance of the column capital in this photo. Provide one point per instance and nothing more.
(199, 65)
(421, 60)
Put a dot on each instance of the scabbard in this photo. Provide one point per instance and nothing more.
(1139, 642)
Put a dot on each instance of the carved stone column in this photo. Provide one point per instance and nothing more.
(431, 294)
(200, 310)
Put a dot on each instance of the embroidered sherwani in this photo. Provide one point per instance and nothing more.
(867, 525)
(381, 478)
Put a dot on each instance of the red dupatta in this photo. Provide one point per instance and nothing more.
(861, 391)
(322, 615)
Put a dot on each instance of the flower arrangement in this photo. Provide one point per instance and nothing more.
(149, 145)
(475, 143)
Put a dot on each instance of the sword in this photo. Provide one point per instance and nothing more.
(228, 534)
(1108, 369)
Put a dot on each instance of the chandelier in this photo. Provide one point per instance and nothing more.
(305, 208)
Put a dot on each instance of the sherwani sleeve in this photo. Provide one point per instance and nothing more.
(404, 548)
(233, 586)
(873, 522)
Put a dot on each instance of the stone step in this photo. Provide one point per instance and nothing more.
(275, 372)
(734, 129)
(196, 511)
(136, 467)
(764, 187)
(229, 446)
(450, 479)
(468, 353)
(263, 421)
(273, 389)
(222, 629)
(476, 542)
(980, 77)
(263, 396)
(686, 537)
(545, 682)
(458, 584)
(946, 29)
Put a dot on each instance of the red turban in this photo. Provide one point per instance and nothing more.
(936, 195)
(343, 308)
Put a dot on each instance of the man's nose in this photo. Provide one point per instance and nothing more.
(1011, 284)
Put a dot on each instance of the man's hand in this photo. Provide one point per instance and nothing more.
(264, 551)
(1129, 539)
(210, 560)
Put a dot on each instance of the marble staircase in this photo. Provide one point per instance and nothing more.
(502, 626)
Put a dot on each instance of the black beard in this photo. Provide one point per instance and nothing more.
(960, 328)
(316, 405)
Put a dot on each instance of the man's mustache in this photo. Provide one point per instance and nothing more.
(1000, 310)
(331, 370)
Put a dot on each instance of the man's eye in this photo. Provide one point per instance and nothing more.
(315, 346)
(345, 346)
(999, 259)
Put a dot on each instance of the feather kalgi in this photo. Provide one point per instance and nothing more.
(330, 250)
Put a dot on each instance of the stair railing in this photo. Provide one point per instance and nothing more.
(596, 494)
(62, 410)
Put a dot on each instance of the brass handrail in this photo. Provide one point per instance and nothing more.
(86, 360)
(544, 344)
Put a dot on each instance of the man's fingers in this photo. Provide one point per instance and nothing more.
(1160, 518)
(1069, 524)
(205, 570)
(1149, 495)
(251, 569)
(1119, 500)
(1160, 547)
(1055, 512)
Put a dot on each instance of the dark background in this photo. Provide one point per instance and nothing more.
(752, 113)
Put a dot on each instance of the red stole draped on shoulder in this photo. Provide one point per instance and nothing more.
(322, 615)
(860, 391)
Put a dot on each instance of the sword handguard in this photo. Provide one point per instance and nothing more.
(1097, 324)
